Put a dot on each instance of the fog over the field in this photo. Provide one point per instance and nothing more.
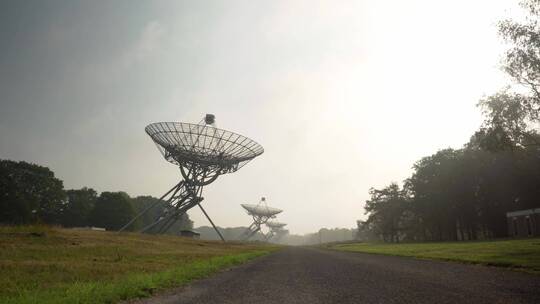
(343, 95)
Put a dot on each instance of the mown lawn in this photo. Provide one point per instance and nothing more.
(519, 254)
(51, 265)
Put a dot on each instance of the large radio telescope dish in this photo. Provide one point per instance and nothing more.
(203, 152)
(202, 147)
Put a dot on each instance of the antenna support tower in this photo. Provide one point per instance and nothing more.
(203, 153)
(260, 213)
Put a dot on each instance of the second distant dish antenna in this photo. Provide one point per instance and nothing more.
(275, 230)
(260, 213)
(202, 152)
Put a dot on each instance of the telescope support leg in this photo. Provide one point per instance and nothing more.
(176, 187)
(211, 222)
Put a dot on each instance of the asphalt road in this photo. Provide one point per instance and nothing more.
(306, 275)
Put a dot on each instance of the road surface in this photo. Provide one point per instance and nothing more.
(307, 275)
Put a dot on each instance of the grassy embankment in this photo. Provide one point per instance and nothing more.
(521, 254)
(51, 265)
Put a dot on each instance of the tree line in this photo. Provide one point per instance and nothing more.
(464, 194)
(31, 193)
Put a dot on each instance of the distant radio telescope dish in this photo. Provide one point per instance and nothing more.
(261, 210)
(276, 229)
(276, 225)
(202, 152)
(260, 213)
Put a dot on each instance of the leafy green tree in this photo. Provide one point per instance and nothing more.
(365, 231)
(112, 210)
(431, 184)
(522, 59)
(506, 123)
(386, 208)
(29, 193)
(458, 195)
(511, 114)
(78, 207)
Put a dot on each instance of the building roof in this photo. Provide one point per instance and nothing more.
(523, 212)
(190, 231)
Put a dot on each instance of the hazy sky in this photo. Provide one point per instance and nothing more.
(343, 95)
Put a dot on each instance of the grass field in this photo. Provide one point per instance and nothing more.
(51, 265)
(518, 254)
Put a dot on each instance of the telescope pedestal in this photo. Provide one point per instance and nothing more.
(179, 199)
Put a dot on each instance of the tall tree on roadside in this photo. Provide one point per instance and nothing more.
(506, 123)
(386, 208)
(522, 59)
(512, 113)
(432, 185)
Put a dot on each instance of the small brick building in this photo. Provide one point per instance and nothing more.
(524, 223)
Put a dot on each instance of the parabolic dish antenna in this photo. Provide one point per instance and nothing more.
(276, 228)
(261, 210)
(260, 213)
(275, 224)
(196, 146)
(202, 152)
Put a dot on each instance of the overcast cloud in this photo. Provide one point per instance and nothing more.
(343, 95)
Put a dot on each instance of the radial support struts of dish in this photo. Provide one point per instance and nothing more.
(203, 153)
(260, 213)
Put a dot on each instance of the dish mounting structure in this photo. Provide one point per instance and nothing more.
(260, 213)
(275, 228)
(203, 153)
